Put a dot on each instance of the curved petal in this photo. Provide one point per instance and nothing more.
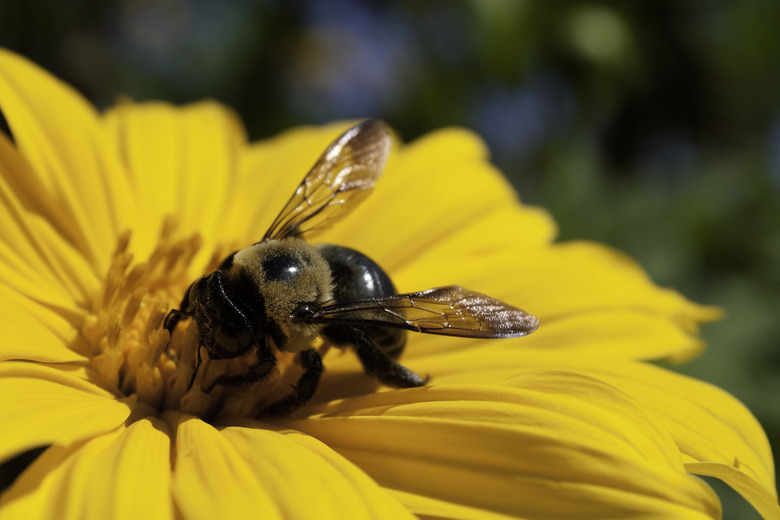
(121, 475)
(482, 241)
(267, 474)
(707, 424)
(568, 280)
(759, 497)
(34, 257)
(181, 162)
(31, 332)
(58, 132)
(41, 405)
(616, 333)
(305, 476)
(559, 445)
(586, 290)
(204, 462)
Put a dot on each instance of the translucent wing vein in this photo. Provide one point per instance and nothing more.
(342, 177)
(451, 310)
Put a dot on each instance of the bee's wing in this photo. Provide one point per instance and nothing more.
(338, 181)
(451, 311)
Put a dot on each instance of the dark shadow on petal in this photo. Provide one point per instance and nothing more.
(5, 128)
(344, 385)
(12, 468)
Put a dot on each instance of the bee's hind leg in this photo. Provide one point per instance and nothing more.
(376, 362)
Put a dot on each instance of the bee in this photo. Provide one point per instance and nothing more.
(282, 293)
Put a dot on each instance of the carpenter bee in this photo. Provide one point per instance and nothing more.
(282, 293)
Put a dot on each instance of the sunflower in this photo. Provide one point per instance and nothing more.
(106, 219)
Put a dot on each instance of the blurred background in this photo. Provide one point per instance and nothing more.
(650, 126)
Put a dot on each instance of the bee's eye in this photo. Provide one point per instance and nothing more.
(281, 268)
(229, 328)
(232, 339)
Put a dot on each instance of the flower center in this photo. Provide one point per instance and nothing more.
(134, 355)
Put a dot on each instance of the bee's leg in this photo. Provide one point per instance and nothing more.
(198, 361)
(311, 361)
(265, 363)
(174, 315)
(172, 319)
(374, 360)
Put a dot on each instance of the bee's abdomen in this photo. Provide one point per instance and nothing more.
(357, 277)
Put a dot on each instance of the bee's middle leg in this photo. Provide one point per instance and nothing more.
(311, 361)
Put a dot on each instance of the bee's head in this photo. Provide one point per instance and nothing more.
(224, 329)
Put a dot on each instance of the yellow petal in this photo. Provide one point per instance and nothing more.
(262, 474)
(181, 162)
(759, 497)
(306, 476)
(205, 462)
(594, 277)
(618, 333)
(483, 240)
(32, 332)
(34, 257)
(59, 134)
(577, 281)
(121, 475)
(558, 445)
(41, 405)
(707, 424)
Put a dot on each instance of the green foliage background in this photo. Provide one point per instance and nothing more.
(651, 126)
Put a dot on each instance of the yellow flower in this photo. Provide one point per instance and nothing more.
(104, 221)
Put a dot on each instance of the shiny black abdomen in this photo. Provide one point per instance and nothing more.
(355, 276)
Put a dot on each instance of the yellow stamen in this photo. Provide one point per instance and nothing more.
(130, 348)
